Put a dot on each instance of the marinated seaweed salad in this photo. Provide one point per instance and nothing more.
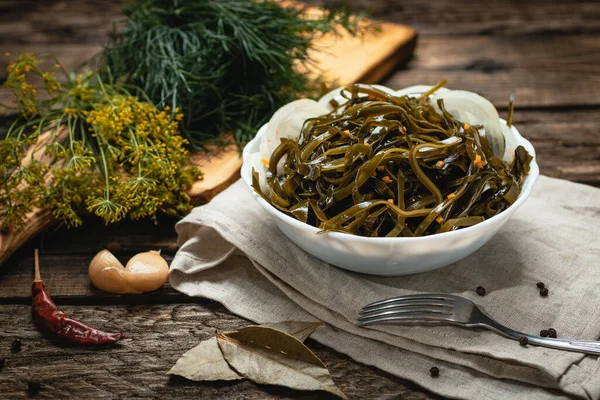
(389, 165)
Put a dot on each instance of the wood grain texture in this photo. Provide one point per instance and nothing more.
(546, 52)
(65, 255)
(67, 281)
(11, 240)
(500, 17)
(157, 336)
(220, 167)
(38, 219)
(34, 21)
(567, 143)
(346, 59)
(44, 22)
(543, 71)
(553, 71)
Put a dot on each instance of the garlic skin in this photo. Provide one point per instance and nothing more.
(149, 269)
(143, 273)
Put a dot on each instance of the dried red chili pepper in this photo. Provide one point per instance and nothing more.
(52, 320)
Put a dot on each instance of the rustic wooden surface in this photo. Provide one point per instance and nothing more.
(548, 53)
(160, 327)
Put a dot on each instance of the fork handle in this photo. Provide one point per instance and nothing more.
(579, 346)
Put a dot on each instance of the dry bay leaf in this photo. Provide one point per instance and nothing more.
(298, 329)
(205, 362)
(269, 356)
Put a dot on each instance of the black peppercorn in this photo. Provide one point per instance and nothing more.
(544, 292)
(544, 333)
(552, 333)
(434, 372)
(16, 345)
(480, 290)
(540, 285)
(523, 341)
(33, 387)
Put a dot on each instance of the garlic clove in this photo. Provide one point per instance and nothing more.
(104, 258)
(114, 280)
(147, 271)
(143, 273)
(107, 274)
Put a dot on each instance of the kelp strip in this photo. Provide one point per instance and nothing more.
(386, 166)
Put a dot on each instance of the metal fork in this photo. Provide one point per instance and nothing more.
(459, 311)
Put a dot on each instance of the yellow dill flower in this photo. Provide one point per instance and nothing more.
(138, 146)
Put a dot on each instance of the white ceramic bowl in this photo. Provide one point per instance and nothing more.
(390, 256)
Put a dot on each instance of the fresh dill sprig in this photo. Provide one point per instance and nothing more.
(83, 144)
(227, 64)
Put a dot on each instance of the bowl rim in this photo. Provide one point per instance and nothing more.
(530, 181)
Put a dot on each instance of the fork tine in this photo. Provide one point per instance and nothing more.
(405, 311)
(429, 296)
(407, 317)
(404, 304)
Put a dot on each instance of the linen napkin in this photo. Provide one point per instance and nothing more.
(231, 252)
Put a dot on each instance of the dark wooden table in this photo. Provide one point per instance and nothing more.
(547, 53)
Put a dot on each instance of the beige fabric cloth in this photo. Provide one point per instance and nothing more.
(231, 252)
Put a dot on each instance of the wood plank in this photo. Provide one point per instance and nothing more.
(345, 59)
(65, 255)
(129, 236)
(567, 143)
(500, 17)
(158, 334)
(543, 71)
(71, 56)
(220, 167)
(553, 71)
(67, 281)
(27, 22)
(30, 21)
(341, 59)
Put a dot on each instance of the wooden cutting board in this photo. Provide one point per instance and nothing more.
(343, 59)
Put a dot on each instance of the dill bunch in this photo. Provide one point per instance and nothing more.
(227, 64)
(87, 145)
